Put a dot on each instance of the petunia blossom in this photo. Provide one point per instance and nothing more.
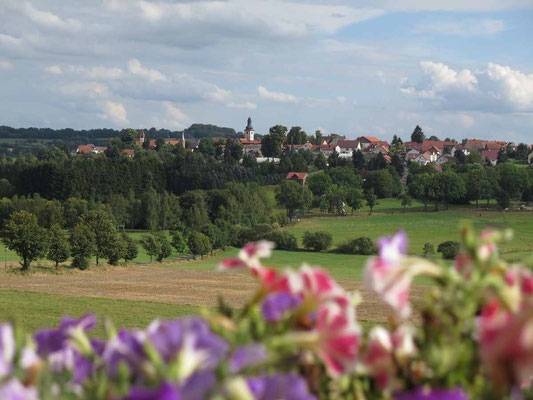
(249, 256)
(15, 390)
(7, 349)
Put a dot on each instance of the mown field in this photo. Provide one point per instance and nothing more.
(177, 288)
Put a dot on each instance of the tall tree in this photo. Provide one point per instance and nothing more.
(293, 196)
(105, 234)
(83, 247)
(371, 199)
(23, 235)
(417, 135)
(59, 250)
(296, 136)
(358, 160)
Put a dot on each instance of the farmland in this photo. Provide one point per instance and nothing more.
(133, 295)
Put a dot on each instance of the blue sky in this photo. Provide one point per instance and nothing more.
(361, 67)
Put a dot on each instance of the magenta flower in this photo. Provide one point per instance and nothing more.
(506, 343)
(7, 349)
(386, 351)
(249, 256)
(339, 338)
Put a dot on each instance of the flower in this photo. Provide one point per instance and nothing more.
(247, 356)
(52, 340)
(279, 386)
(7, 349)
(386, 351)
(386, 275)
(423, 393)
(124, 347)
(487, 248)
(164, 392)
(276, 304)
(14, 390)
(249, 256)
(506, 343)
(339, 338)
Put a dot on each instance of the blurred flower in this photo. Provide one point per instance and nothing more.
(506, 342)
(276, 304)
(423, 393)
(386, 352)
(52, 340)
(7, 349)
(279, 386)
(247, 356)
(14, 390)
(339, 338)
(164, 392)
(126, 347)
(249, 256)
(487, 248)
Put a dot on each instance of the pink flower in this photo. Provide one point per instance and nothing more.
(506, 343)
(339, 338)
(487, 247)
(249, 256)
(386, 276)
(386, 351)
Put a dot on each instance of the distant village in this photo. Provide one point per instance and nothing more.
(434, 152)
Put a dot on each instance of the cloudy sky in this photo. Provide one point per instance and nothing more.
(459, 68)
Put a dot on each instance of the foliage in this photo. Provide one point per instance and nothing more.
(199, 244)
(371, 199)
(449, 249)
(317, 241)
(59, 248)
(293, 197)
(105, 235)
(417, 135)
(284, 240)
(23, 234)
(131, 248)
(83, 245)
(156, 245)
(428, 250)
(178, 241)
(362, 246)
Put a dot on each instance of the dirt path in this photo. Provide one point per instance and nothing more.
(168, 285)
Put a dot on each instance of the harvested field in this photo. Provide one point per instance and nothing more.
(170, 286)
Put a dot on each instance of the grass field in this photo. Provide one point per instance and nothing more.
(37, 310)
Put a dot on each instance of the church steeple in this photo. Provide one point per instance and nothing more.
(249, 130)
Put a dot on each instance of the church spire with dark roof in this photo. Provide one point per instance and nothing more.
(249, 125)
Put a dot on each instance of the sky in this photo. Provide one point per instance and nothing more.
(457, 68)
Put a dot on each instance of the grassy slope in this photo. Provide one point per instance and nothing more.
(38, 310)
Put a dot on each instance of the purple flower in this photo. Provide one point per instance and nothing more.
(125, 347)
(164, 392)
(247, 356)
(391, 248)
(198, 385)
(14, 390)
(7, 349)
(52, 340)
(288, 387)
(422, 393)
(170, 338)
(275, 304)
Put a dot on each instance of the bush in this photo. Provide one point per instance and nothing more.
(199, 244)
(284, 240)
(449, 249)
(429, 250)
(239, 235)
(317, 241)
(362, 246)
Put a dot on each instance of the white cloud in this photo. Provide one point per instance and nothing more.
(82, 89)
(115, 112)
(97, 73)
(5, 64)
(451, 5)
(45, 18)
(152, 75)
(497, 88)
(511, 85)
(54, 70)
(264, 93)
(469, 27)
(246, 105)
(178, 118)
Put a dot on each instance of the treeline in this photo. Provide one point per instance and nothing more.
(194, 131)
(464, 183)
(57, 175)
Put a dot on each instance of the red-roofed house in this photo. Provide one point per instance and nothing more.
(128, 152)
(90, 149)
(490, 156)
(251, 146)
(366, 141)
(299, 177)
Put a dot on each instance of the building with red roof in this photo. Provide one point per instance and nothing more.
(299, 177)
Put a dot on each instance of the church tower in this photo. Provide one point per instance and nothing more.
(249, 130)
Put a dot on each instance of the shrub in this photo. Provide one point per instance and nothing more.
(131, 248)
(429, 250)
(178, 241)
(362, 246)
(284, 240)
(449, 249)
(317, 241)
(199, 244)
(239, 235)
